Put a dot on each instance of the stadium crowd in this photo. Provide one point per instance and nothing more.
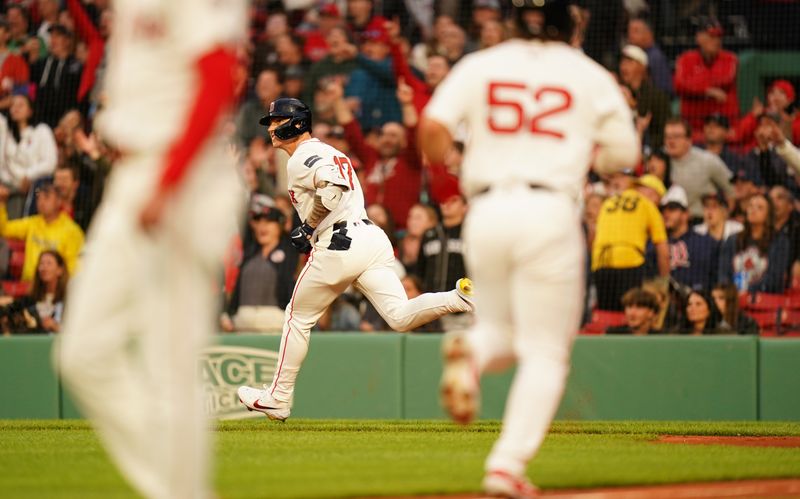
(703, 231)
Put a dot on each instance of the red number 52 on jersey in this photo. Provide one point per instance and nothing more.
(506, 97)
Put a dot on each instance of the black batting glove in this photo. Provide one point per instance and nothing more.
(301, 238)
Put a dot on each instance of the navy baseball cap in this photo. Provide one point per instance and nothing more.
(747, 173)
(719, 119)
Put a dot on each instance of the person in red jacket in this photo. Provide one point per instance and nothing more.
(437, 68)
(393, 170)
(780, 96)
(705, 79)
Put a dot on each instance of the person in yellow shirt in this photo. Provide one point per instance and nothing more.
(51, 229)
(625, 223)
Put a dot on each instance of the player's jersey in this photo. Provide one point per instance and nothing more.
(154, 46)
(528, 122)
(314, 161)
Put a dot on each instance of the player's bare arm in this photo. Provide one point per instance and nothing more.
(434, 139)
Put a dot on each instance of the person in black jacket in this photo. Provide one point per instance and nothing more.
(57, 78)
(266, 276)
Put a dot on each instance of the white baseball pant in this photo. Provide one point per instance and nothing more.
(368, 266)
(529, 275)
(141, 310)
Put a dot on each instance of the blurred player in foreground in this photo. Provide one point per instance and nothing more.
(344, 248)
(536, 109)
(143, 305)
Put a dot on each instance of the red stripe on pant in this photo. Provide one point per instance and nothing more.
(289, 320)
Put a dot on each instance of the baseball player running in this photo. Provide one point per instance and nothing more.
(545, 107)
(144, 304)
(344, 248)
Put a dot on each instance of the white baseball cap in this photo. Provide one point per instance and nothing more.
(635, 53)
(675, 196)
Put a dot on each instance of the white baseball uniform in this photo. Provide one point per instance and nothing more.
(367, 264)
(534, 111)
(144, 305)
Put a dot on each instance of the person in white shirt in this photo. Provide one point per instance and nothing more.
(715, 218)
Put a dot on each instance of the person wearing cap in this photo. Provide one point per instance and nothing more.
(716, 223)
(316, 45)
(697, 171)
(746, 183)
(51, 228)
(705, 78)
(780, 96)
(767, 158)
(362, 18)
(483, 11)
(337, 65)
(640, 34)
(57, 78)
(715, 135)
(649, 99)
(626, 222)
(756, 259)
(693, 257)
(266, 275)
(651, 187)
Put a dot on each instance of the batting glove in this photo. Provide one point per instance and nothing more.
(301, 238)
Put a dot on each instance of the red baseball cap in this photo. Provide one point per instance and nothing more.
(784, 86)
(330, 10)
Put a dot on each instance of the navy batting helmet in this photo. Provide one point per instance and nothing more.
(296, 112)
(554, 23)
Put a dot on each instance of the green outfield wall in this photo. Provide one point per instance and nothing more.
(394, 376)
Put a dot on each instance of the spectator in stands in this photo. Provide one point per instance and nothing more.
(787, 219)
(641, 309)
(392, 167)
(421, 51)
(715, 219)
(441, 260)
(18, 21)
(76, 200)
(268, 87)
(693, 257)
(756, 259)
(780, 96)
(289, 53)
(492, 33)
(705, 79)
(645, 98)
(372, 84)
(341, 315)
(658, 163)
(48, 11)
(293, 81)
(787, 151)
(733, 319)
(92, 24)
(14, 71)
(640, 34)
(51, 229)
(57, 78)
(28, 153)
(697, 171)
(626, 221)
(746, 183)
(435, 71)
(266, 275)
(41, 310)
(771, 166)
(701, 315)
(316, 45)
(337, 65)
(421, 218)
(383, 218)
(652, 188)
(361, 18)
(454, 43)
(715, 134)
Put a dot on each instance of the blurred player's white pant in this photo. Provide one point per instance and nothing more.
(140, 311)
(524, 252)
(369, 265)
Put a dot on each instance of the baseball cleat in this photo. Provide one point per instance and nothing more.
(464, 291)
(498, 483)
(460, 388)
(261, 401)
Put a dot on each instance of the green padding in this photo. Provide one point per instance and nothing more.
(755, 67)
(779, 379)
(345, 375)
(658, 378)
(28, 384)
(662, 378)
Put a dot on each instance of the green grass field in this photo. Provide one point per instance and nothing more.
(320, 459)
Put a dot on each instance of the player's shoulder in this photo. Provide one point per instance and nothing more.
(312, 151)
